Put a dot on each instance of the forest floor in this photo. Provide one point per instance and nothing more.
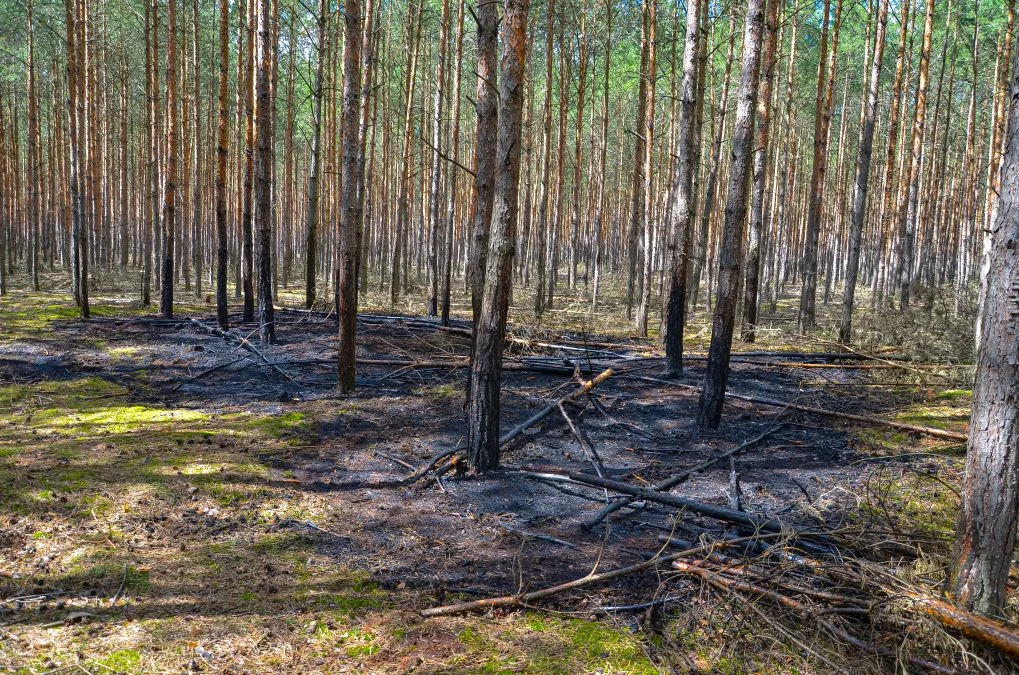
(170, 503)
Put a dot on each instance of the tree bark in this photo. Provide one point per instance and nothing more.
(487, 108)
(483, 408)
(350, 203)
(910, 194)
(759, 171)
(682, 208)
(822, 123)
(222, 139)
(986, 530)
(731, 250)
(170, 184)
(263, 169)
(862, 184)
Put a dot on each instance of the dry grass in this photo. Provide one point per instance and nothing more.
(146, 536)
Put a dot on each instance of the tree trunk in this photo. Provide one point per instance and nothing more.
(315, 163)
(487, 108)
(986, 529)
(170, 184)
(822, 122)
(908, 210)
(350, 203)
(682, 208)
(546, 154)
(647, 174)
(760, 170)
(731, 253)
(483, 407)
(263, 164)
(861, 186)
(222, 139)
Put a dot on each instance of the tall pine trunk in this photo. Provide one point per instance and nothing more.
(731, 246)
(986, 530)
(486, 368)
(682, 208)
(862, 184)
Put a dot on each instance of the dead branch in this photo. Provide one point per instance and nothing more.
(673, 481)
(587, 580)
(988, 631)
(710, 510)
(585, 445)
(874, 421)
(513, 433)
(241, 342)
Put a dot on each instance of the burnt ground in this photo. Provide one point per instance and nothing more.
(243, 454)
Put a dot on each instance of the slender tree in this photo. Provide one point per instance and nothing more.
(264, 160)
(759, 173)
(910, 195)
(487, 109)
(486, 368)
(170, 182)
(349, 195)
(731, 249)
(861, 185)
(222, 153)
(682, 208)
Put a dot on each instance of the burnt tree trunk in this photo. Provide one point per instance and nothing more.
(486, 368)
(731, 246)
(222, 139)
(350, 203)
(682, 208)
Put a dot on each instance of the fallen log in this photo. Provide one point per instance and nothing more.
(875, 421)
(592, 578)
(672, 482)
(982, 629)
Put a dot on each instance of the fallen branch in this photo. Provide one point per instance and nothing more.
(724, 583)
(673, 481)
(875, 421)
(243, 343)
(710, 510)
(207, 371)
(589, 451)
(591, 578)
(516, 431)
(539, 536)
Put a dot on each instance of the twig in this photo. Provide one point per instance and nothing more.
(537, 535)
(123, 582)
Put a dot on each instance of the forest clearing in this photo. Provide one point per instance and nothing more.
(564, 336)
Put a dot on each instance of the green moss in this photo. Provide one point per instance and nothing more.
(120, 661)
(117, 419)
(954, 395)
(278, 426)
(278, 543)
